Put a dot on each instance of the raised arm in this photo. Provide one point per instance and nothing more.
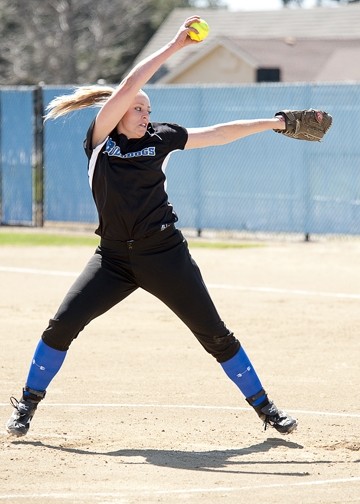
(116, 106)
(221, 134)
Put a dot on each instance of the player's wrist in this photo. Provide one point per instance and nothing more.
(280, 122)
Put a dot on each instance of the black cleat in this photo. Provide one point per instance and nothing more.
(271, 415)
(281, 421)
(19, 422)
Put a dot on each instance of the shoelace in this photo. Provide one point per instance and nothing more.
(14, 403)
(267, 422)
(271, 418)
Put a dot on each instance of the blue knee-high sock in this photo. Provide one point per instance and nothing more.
(240, 370)
(45, 364)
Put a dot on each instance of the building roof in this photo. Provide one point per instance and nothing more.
(308, 59)
(248, 29)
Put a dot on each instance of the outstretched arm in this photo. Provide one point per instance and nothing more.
(220, 134)
(114, 109)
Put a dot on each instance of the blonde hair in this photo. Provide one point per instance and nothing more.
(82, 97)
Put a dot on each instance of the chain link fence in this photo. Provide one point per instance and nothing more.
(265, 183)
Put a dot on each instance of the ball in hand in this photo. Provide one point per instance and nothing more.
(202, 27)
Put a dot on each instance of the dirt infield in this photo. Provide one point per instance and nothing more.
(140, 413)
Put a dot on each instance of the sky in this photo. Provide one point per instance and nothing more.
(262, 4)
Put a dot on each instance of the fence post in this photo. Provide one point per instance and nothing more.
(38, 158)
(1, 171)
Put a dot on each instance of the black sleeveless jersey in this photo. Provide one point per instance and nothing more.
(127, 179)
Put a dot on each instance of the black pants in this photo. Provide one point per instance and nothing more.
(160, 264)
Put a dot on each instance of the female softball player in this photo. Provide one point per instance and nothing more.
(139, 243)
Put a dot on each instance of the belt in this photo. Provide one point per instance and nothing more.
(117, 244)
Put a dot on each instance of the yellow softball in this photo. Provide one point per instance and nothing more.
(202, 27)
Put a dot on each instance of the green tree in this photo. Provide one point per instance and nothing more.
(77, 41)
(318, 3)
(288, 2)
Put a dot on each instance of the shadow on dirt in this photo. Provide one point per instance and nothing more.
(210, 461)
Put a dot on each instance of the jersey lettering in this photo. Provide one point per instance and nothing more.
(111, 149)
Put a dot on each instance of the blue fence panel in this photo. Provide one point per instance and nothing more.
(264, 182)
(16, 150)
(68, 195)
(334, 170)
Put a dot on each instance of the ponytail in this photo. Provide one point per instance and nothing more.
(82, 97)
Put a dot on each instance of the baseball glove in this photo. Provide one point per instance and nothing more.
(310, 125)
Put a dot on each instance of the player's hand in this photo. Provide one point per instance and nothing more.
(182, 38)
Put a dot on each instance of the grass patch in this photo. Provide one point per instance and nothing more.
(34, 239)
(45, 239)
(222, 244)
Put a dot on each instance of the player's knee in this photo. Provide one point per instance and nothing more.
(222, 347)
(228, 347)
(59, 335)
